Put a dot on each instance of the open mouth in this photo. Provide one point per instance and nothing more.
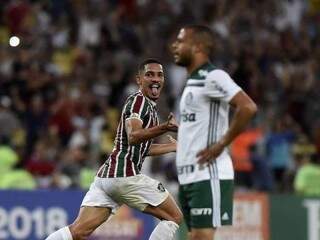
(155, 89)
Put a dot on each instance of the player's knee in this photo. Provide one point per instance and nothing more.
(201, 235)
(79, 233)
(178, 217)
(198, 236)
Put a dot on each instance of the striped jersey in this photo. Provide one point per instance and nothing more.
(126, 160)
(204, 119)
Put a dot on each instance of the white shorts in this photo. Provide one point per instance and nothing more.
(137, 192)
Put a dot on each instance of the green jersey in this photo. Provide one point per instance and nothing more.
(204, 119)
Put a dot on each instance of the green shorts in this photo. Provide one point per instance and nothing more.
(207, 204)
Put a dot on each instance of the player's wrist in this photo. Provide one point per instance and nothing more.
(174, 147)
(222, 143)
(164, 127)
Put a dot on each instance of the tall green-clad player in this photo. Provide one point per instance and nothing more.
(119, 180)
(204, 166)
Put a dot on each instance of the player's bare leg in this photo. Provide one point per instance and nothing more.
(201, 234)
(88, 220)
(170, 215)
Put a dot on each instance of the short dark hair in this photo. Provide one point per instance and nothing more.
(203, 35)
(145, 62)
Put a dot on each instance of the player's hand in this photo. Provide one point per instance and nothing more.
(210, 154)
(172, 124)
(171, 139)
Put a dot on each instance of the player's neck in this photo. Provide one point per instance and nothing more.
(198, 62)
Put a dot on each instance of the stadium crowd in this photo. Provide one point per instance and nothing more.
(62, 87)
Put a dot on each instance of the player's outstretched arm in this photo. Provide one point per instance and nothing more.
(163, 148)
(137, 134)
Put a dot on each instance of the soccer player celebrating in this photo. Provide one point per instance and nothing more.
(204, 166)
(119, 180)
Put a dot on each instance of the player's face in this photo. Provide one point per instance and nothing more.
(182, 48)
(151, 80)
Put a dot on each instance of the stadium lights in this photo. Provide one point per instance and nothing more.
(14, 41)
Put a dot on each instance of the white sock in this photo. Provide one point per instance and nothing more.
(61, 234)
(165, 230)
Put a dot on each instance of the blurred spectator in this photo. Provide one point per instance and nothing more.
(262, 179)
(40, 165)
(9, 122)
(86, 177)
(8, 157)
(303, 148)
(240, 152)
(18, 16)
(62, 114)
(18, 179)
(73, 160)
(308, 177)
(12, 177)
(278, 151)
(36, 122)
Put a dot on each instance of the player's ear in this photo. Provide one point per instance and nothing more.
(198, 47)
(194, 49)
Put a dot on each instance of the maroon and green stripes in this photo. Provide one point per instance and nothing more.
(126, 160)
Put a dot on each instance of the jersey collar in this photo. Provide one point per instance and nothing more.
(153, 103)
(195, 72)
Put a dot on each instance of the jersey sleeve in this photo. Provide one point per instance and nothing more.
(220, 85)
(136, 108)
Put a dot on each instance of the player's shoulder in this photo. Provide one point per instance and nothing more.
(217, 75)
(136, 96)
(137, 102)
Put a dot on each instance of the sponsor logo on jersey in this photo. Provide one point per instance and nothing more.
(188, 117)
(134, 115)
(185, 169)
(225, 216)
(201, 211)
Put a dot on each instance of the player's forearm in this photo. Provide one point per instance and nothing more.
(141, 135)
(239, 121)
(159, 149)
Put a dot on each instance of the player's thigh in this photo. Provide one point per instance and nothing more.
(210, 203)
(100, 194)
(184, 197)
(89, 218)
(167, 210)
(140, 191)
(196, 200)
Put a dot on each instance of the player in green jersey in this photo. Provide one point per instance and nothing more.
(203, 162)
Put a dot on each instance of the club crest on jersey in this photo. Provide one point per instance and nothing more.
(161, 187)
(134, 115)
(189, 98)
(203, 73)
